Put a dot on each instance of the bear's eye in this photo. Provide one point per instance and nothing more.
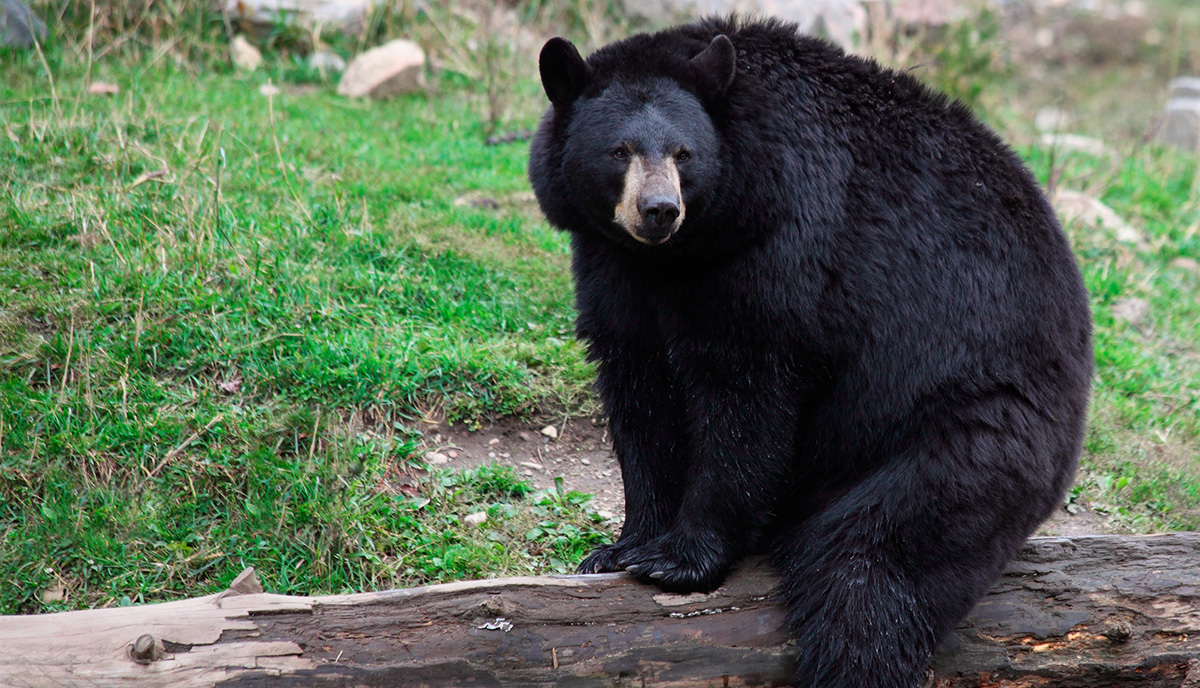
(619, 154)
(682, 156)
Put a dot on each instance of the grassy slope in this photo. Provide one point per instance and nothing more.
(228, 364)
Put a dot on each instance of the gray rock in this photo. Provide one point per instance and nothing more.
(326, 62)
(19, 26)
(1181, 124)
(1184, 87)
(1075, 206)
(330, 15)
(395, 67)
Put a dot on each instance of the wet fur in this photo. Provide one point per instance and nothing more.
(866, 350)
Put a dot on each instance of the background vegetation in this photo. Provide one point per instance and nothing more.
(227, 317)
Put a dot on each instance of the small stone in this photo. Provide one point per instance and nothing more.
(534, 465)
(606, 515)
(1181, 124)
(524, 436)
(476, 519)
(452, 454)
(1075, 142)
(585, 462)
(55, 592)
(103, 88)
(1051, 119)
(395, 67)
(437, 458)
(269, 90)
(491, 455)
(550, 431)
(494, 440)
(244, 55)
(1091, 212)
(1186, 264)
(1132, 311)
(326, 62)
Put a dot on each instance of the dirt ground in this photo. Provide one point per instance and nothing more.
(579, 451)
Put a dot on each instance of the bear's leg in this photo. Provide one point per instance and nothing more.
(873, 581)
(646, 424)
(742, 426)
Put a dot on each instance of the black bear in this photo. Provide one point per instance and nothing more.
(834, 320)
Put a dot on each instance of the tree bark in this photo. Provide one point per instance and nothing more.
(1081, 612)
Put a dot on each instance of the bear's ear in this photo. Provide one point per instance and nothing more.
(564, 73)
(716, 65)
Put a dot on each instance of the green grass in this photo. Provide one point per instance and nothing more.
(224, 317)
(1141, 462)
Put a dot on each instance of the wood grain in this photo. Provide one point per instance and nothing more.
(1088, 611)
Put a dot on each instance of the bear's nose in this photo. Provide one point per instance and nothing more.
(659, 212)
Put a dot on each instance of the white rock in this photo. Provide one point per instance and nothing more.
(1132, 311)
(395, 67)
(437, 458)
(840, 20)
(1075, 142)
(1075, 205)
(550, 431)
(475, 519)
(1184, 87)
(336, 15)
(326, 62)
(1051, 119)
(1181, 125)
(243, 54)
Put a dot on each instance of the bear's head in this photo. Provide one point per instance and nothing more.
(629, 151)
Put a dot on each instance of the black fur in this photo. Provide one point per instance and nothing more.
(866, 350)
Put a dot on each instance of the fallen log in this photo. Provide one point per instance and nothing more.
(1069, 612)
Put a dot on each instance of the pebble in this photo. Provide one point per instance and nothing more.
(585, 462)
(452, 454)
(550, 431)
(475, 519)
(437, 458)
(243, 54)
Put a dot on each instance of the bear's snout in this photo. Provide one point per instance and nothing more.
(651, 207)
(659, 214)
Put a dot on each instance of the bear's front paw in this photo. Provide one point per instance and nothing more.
(603, 559)
(678, 564)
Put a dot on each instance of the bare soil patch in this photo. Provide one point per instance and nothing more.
(582, 456)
